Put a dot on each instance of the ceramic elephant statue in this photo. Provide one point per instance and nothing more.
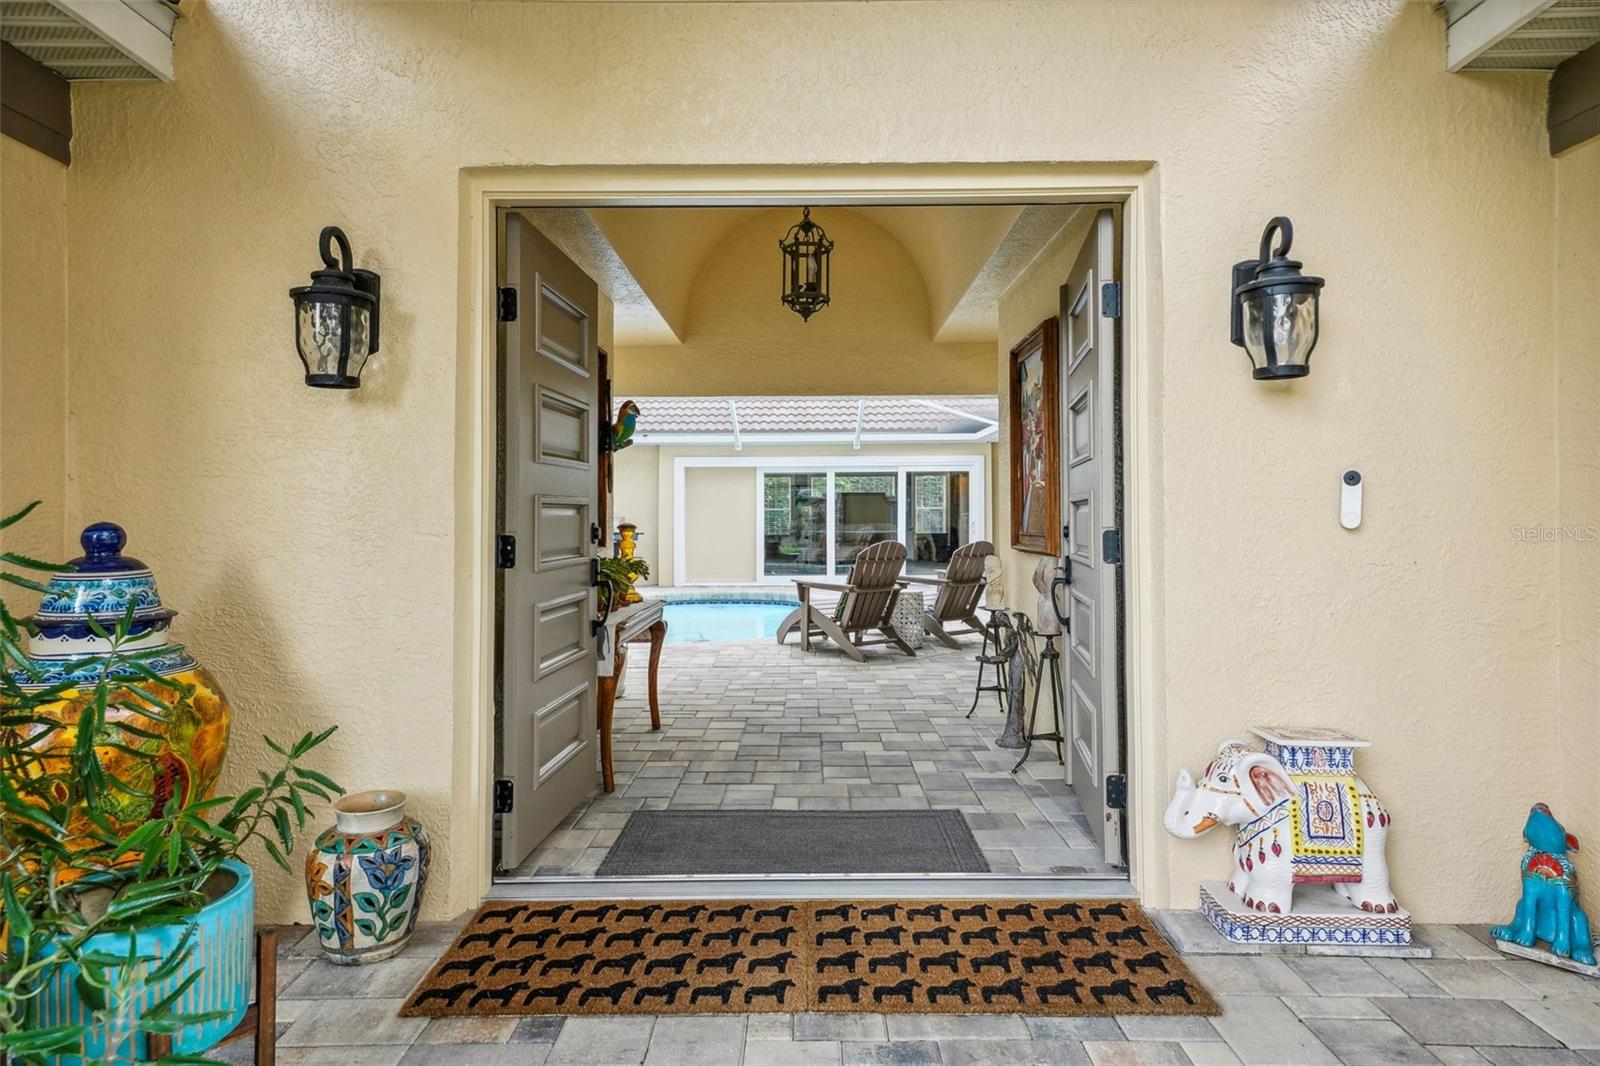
(1548, 909)
(1315, 826)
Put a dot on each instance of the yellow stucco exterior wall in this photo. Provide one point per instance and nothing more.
(874, 337)
(1031, 299)
(33, 353)
(719, 504)
(1576, 543)
(309, 537)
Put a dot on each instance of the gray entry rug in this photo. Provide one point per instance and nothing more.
(660, 843)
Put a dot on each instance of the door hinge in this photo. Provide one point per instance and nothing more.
(1111, 299)
(506, 310)
(1117, 792)
(504, 795)
(1111, 546)
(505, 551)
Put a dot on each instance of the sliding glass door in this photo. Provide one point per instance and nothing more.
(866, 509)
(794, 516)
(818, 515)
(938, 516)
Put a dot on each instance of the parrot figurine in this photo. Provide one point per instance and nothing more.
(622, 429)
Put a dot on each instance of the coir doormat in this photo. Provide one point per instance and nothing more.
(985, 956)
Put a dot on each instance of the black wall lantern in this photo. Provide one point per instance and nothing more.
(805, 267)
(336, 317)
(1275, 309)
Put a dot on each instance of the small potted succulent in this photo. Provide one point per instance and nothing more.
(117, 925)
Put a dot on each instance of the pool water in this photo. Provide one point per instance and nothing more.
(699, 623)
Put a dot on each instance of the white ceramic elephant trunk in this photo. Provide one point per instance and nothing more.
(1288, 829)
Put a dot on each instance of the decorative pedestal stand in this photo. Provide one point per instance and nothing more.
(999, 641)
(1540, 952)
(1320, 764)
(1046, 670)
(1320, 916)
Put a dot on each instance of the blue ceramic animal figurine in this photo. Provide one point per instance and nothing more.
(1549, 908)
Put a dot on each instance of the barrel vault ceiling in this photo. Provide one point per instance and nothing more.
(646, 259)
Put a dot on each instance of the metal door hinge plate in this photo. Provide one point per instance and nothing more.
(1111, 546)
(1111, 299)
(505, 551)
(506, 309)
(1117, 792)
(504, 795)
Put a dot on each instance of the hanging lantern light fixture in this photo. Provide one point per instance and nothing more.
(805, 267)
(1275, 308)
(336, 317)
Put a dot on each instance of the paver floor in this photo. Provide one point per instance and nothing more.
(755, 725)
(1276, 1011)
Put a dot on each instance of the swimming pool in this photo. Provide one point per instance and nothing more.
(702, 621)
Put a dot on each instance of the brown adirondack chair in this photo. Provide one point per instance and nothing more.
(866, 603)
(960, 587)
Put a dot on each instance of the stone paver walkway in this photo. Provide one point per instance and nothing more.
(752, 725)
(1468, 1004)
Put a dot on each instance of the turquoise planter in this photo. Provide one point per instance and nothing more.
(224, 948)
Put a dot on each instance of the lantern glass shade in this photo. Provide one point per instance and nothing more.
(323, 326)
(1280, 329)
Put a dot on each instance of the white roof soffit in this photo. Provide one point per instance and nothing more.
(1517, 34)
(93, 40)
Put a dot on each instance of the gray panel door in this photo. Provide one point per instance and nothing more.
(548, 497)
(1089, 508)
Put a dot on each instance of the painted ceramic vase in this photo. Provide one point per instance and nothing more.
(188, 746)
(365, 877)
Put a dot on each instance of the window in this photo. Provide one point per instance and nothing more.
(779, 505)
(928, 493)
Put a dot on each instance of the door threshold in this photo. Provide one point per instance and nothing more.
(817, 886)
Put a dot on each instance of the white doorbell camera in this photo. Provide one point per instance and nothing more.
(1350, 499)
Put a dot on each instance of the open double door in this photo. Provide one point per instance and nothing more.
(550, 427)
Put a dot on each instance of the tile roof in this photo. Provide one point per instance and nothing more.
(713, 415)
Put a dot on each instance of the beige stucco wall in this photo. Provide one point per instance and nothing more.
(33, 350)
(718, 545)
(874, 337)
(1576, 547)
(310, 537)
(1031, 299)
(646, 494)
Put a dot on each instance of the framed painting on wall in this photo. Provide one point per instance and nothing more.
(1036, 442)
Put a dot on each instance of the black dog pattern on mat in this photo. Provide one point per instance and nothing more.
(1001, 956)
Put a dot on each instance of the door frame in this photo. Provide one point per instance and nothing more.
(483, 191)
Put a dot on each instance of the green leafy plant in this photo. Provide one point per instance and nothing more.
(66, 872)
(618, 575)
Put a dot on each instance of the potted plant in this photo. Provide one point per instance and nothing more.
(113, 933)
(617, 576)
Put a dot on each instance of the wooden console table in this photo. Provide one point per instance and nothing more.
(643, 621)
